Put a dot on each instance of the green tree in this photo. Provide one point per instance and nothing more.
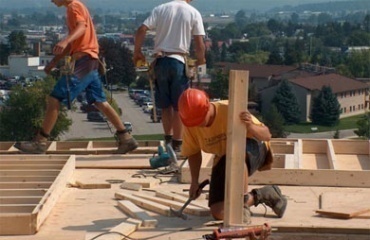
(219, 87)
(23, 113)
(4, 53)
(275, 58)
(286, 103)
(358, 64)
(364, 126)
(325, 108)
(119, 61)
(275, 122)
(17, 42)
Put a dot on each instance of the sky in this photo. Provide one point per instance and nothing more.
(147, 5)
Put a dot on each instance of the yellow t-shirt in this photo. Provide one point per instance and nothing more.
(211, 139)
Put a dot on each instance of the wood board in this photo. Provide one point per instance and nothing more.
(309, 162)
(84, 147)
(27, 199)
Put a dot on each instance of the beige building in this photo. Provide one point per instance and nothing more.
(352, 94)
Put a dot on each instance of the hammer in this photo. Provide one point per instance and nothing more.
(179, 213)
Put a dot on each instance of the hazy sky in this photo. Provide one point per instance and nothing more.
(146, 5)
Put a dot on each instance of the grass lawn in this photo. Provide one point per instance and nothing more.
(344, 123)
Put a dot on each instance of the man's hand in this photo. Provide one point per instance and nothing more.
(246, 117)
(48, 68)
(139, 57)
(60, 47)
(194, 191)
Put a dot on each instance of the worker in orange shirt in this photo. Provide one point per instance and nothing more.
(81, 44)
(206, 130)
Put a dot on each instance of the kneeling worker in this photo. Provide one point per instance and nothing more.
(206, 130)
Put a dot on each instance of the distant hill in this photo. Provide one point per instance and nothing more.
(203, 5)
(335, 6)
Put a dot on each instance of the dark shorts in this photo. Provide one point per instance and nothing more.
(256, 155)
(170, 82)
(85, 78)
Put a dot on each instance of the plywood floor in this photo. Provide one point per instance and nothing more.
(82, 214)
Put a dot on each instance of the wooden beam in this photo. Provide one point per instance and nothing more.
(146, 204)
(190, 209)
(331, 155)
(235, 150)
(134, 211)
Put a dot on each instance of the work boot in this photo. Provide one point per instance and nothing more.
(126, 143)
(247, 219)
(168, 139)
(37, 146)
(272, 197)
(176, 145)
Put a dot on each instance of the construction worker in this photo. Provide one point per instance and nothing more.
(175, 23)
(81, 44)
(206, 130)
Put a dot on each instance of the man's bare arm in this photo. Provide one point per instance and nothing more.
(200, 49)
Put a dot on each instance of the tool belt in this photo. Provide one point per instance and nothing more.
(189, 68)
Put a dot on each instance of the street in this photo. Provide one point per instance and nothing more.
(141, 123)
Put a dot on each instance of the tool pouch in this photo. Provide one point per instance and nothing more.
(189, 68)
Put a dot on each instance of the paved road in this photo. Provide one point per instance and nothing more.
(141, 123)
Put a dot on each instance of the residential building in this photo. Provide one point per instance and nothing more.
(351, 94)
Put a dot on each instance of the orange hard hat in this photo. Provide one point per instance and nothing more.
(193, 107)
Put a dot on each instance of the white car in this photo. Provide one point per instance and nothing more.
(147, 107)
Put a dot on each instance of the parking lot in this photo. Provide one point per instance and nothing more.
(141, 122)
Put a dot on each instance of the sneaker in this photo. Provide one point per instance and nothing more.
(34, 147)
(247, 219)
(272, 197)
(128, 145)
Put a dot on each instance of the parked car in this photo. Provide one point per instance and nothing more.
(128, 126)
(96, 117)
(147, 107)
(159, 114)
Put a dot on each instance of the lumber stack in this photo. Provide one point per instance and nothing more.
(30, 185)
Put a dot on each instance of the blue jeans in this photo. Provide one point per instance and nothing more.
(170, 82)
(90, 82)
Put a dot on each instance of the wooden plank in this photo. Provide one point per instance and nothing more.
(22, 192)
(144, 182)
(192, 210)
(30, 166)
(306, 177)
(88, 184)
(20, 200)
(354, 147)
(178, 198)
(29, 172)
(51, 196)
(235, 177)
(131, 186)
(16, 223)
(146, 204)
(331, 155)
(347, 200)
(24, 185)
(116, 161)
(298, 154)
(346, 211)
(134, 211)
(125, 229)
(17, 208)
(27, 179)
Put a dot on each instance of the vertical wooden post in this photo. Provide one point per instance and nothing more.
(235, 149)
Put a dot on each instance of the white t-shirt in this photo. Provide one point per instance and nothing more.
(175, 23)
